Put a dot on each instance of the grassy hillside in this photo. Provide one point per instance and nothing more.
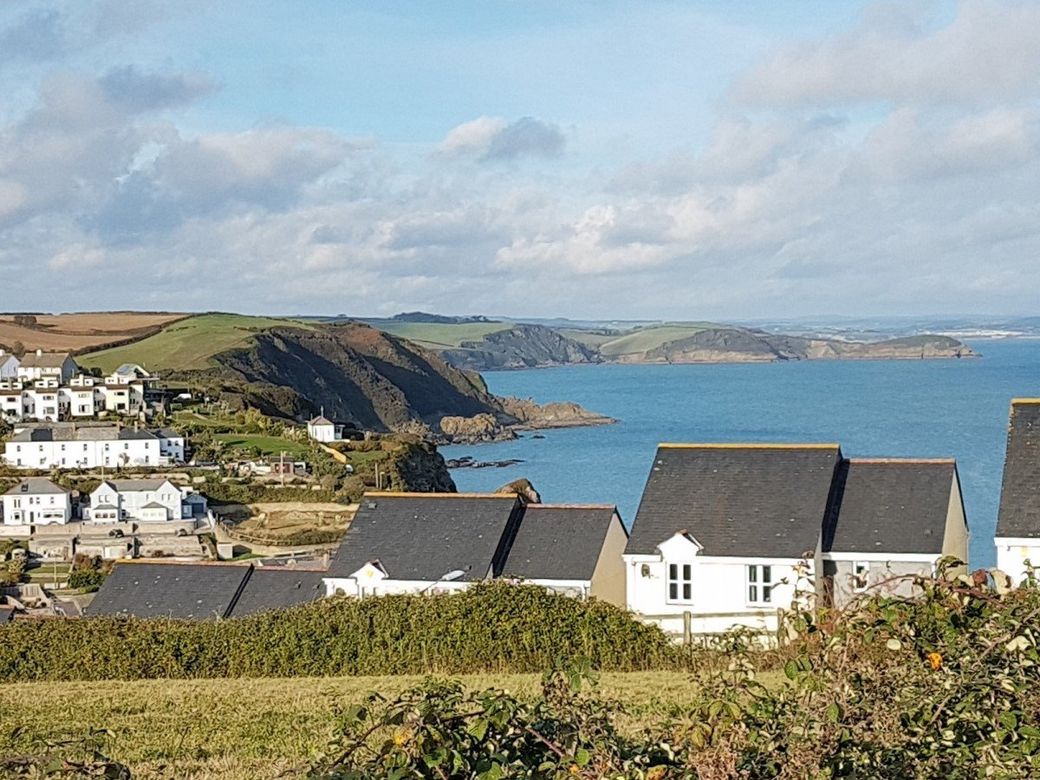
(439, 335)
(187, 344)
(646, 339)
(249, 729)
(81, 332)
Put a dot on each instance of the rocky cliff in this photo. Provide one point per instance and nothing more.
(522, 346)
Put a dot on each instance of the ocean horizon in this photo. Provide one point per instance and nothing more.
(873, 408)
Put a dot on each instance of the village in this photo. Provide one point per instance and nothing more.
(110, 513)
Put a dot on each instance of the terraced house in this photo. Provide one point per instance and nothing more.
(1018, 522)
(72, 446)
(733, 534)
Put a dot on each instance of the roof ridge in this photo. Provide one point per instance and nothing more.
(897, 460)
(1023, 401)
(749, 445)
(418, 494)
(573, 506)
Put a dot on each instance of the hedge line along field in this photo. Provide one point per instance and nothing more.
(494, 627)
(248, 729)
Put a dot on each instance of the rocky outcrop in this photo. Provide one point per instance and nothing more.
(417, 467)
(532, 415)
(523, 489)
(522, 346)
(475, 429)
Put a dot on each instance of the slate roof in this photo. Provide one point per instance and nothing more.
(321, 420)
(36, 486)
(559, 542)
(891, 506)
(6, 614)
(135, 485)
(81, 434)
(45, 360)
(734, 499)
(423, 536)
(277, 588)
(1020, 491)
(196, 591)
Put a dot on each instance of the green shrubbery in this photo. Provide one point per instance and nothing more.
(493, 627)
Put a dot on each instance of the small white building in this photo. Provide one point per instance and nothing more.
(1018, 522)
(82, 447)
(37, 365)
(324, 430)
(37, 501)
(144, 500)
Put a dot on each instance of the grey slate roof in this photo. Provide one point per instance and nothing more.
(37, 486)
(740, 500)
(277, 588)
(559, 542)
(891, 506)
(321, 420)
(423, 536)
(69, 433)
(6, 614)
(135, 485)
(45, 360)
(196, 591)
(1020, 491)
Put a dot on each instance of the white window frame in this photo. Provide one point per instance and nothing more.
(679, 575)
(759, 584)
(860, 577)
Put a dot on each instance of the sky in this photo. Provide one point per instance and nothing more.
(588, 159)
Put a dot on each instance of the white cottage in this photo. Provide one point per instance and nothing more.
(58, 366)
(144, 500)
(324, 430)
(1018, 522)
(87, 447)
(37, 501)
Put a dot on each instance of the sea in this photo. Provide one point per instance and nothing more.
(896, 408)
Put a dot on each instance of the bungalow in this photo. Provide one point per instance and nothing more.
(444, 542)
(733, 534)
(1018, 520)
(144, 500)
(37, 501)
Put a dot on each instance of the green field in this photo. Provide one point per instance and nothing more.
(439, 335)
(186, 344)
(250, 729)
(268, 445)
(646, 339)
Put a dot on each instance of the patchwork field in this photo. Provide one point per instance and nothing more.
(253, 729)
(439, 335)
(82, 332)
(189, 344)
(646, 339)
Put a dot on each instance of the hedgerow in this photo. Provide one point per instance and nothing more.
(492, 627)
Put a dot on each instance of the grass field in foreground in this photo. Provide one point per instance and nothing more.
(186, 344)
(245, 729)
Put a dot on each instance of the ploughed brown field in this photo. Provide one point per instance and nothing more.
(83, 332)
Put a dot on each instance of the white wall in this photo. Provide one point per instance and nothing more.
(33, 509)
(323, 433)
(387, 587)
(720, 592)
(83, 454)
(1012, 554)
(131, 503)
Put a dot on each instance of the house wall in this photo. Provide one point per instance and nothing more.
(131, 503)
(350, 587)
(840, 569)
(33, 509)
(719, 599)
(608, 580)
(83, 454)
(323, 433)
(955, 539)
(1013, 553)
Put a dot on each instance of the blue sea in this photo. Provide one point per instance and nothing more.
(904, 408)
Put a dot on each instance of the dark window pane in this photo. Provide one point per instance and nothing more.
(752, 593)
(752, 573)
(767, 595)
(686, 572)
(673, 571)
(767, 574)
(686, 592)
(673, 591)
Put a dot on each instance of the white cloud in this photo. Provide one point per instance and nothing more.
(474, 136)
(492, 138)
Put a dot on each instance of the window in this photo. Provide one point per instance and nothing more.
(860, 575)
(680, 582)
(760, 584)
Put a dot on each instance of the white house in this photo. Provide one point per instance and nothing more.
(324, 430)
(72, 446)
(37, 501)
(8, 365)
(145, 500)
(444, 542)
(47, 365)
(1018, 521)
(731, 535)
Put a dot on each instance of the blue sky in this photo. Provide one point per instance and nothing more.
(593, 159)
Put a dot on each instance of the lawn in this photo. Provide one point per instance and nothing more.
(187, 344)
(439, 334)
(250, 729)
(268, 445)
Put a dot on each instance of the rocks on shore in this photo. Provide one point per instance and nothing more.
(468, 462)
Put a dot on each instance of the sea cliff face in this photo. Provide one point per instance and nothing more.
(522, 346)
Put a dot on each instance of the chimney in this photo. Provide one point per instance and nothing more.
(39, 353)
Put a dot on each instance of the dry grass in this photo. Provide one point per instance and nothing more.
(83, 332)
(292, 517)
(251, 729)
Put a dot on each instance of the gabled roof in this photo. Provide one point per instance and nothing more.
(45, 360)
(86, 433)
(559, 542)
(36, 486)
(196, 591)
(891, 506)
(135, 485)
(423, 536)
(757, 500)
(321, 420)
(277, 588)
(1020, 491)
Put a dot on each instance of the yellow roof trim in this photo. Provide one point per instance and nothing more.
(746, 446)
(407, 494)
(1016, 401)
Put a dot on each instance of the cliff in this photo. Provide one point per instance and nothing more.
(522, 346)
